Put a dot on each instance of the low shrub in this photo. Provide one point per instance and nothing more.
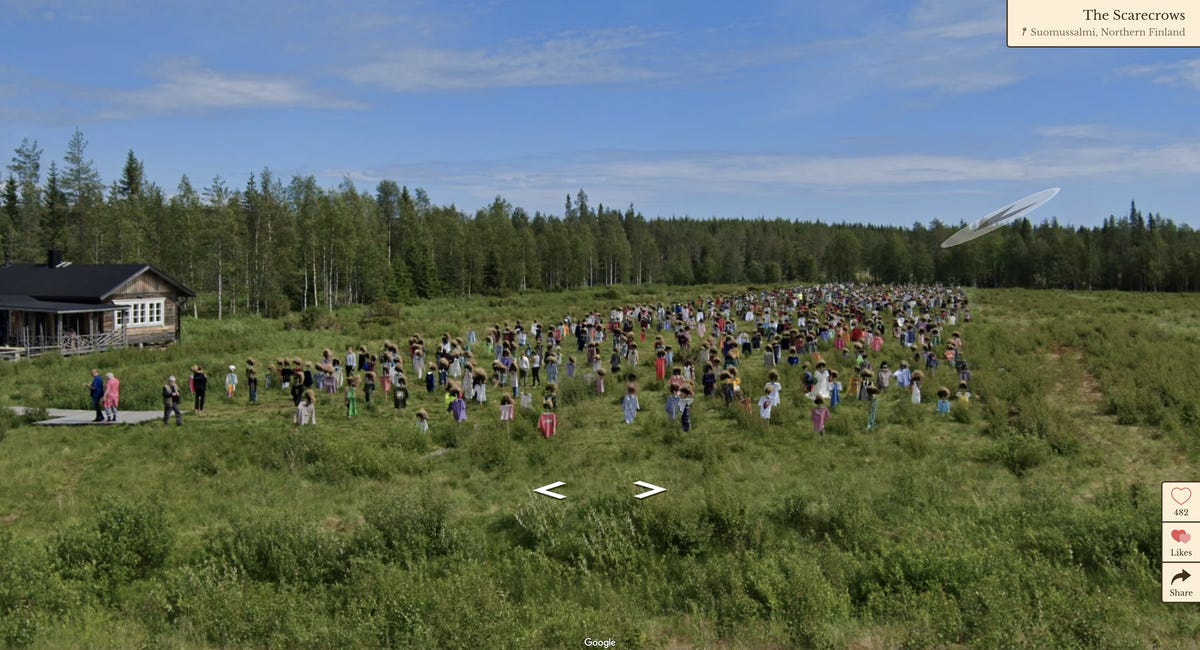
(127, 541)
(843, 423)
(215, 605)
(679, 530)
(205, 464)
(914, 441)
(1018, 453)
(731, 520)
(406, 528)
(32, 594)
(491, 448)
(843, 519)
(539, 526)
(282, 551)
(905, 413)
(609, 541)
(313, 319)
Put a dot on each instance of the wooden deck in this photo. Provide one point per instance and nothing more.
(67, 345)
(75, 417)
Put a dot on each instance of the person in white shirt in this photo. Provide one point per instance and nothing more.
(764, 406)
(773, 387)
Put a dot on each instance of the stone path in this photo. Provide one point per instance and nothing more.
(73, 417)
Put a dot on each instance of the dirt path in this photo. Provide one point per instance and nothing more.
(1125, 453)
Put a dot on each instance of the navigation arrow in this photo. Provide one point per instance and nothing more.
(545, 490)
(1184, 575)
(651, 489)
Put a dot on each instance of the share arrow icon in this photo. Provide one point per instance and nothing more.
(1182, 575)
(651, 489)
(545, 490)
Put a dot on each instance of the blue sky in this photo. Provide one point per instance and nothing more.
(877, 112)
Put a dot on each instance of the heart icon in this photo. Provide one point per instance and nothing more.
(1181, 536)
(1181, 495)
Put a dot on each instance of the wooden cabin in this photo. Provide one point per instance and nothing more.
(79, 308)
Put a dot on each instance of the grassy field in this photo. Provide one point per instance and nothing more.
(1030, 520)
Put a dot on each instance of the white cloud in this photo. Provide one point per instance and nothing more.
(544, 181)
(569, 59)
(948, 47)
(186, 86)
(52, 10)
(1101, 132)
(941, 48)
(1179, 73)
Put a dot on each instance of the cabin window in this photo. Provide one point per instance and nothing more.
(140, 313)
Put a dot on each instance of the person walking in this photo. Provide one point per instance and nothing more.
(171, 397)
(200, 382)
(96, 391)
(252, 380)
(112, 397)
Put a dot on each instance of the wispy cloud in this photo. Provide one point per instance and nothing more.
(1096, 132)
(1179, 73)
(543, 181)
(184, 86)
(576, 58)
(52, 10)
(946, 47)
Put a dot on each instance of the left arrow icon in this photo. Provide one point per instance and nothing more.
(545, 490)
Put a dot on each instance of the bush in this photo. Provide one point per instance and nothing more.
(703, 449)
(682, 530)
(491, 448)
(905, 413)
(843, 519)
(811, 605)
(31, 595)
(302, 448)
(1018, 453)
(841, 423)
(126, 542)
(407, 528)
(388, 607)
(539, 526)
(608, 537)
(732, 521)
(282, 552)
(205, 465)
(213, 602)
(381, 312)
(312, 319)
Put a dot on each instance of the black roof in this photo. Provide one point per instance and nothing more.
(26, 303)
(75, 283)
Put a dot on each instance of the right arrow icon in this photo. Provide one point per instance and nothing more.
(651, 489)
(1182, 575)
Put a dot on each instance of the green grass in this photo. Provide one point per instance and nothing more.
(1031, 522)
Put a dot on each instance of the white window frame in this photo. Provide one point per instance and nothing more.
(150, 312)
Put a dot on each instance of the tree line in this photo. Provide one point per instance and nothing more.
(272, 246)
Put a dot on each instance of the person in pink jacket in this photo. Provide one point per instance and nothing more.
(820, 415)
(112, 397)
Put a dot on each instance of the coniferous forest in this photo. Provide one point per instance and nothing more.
(269, 245)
